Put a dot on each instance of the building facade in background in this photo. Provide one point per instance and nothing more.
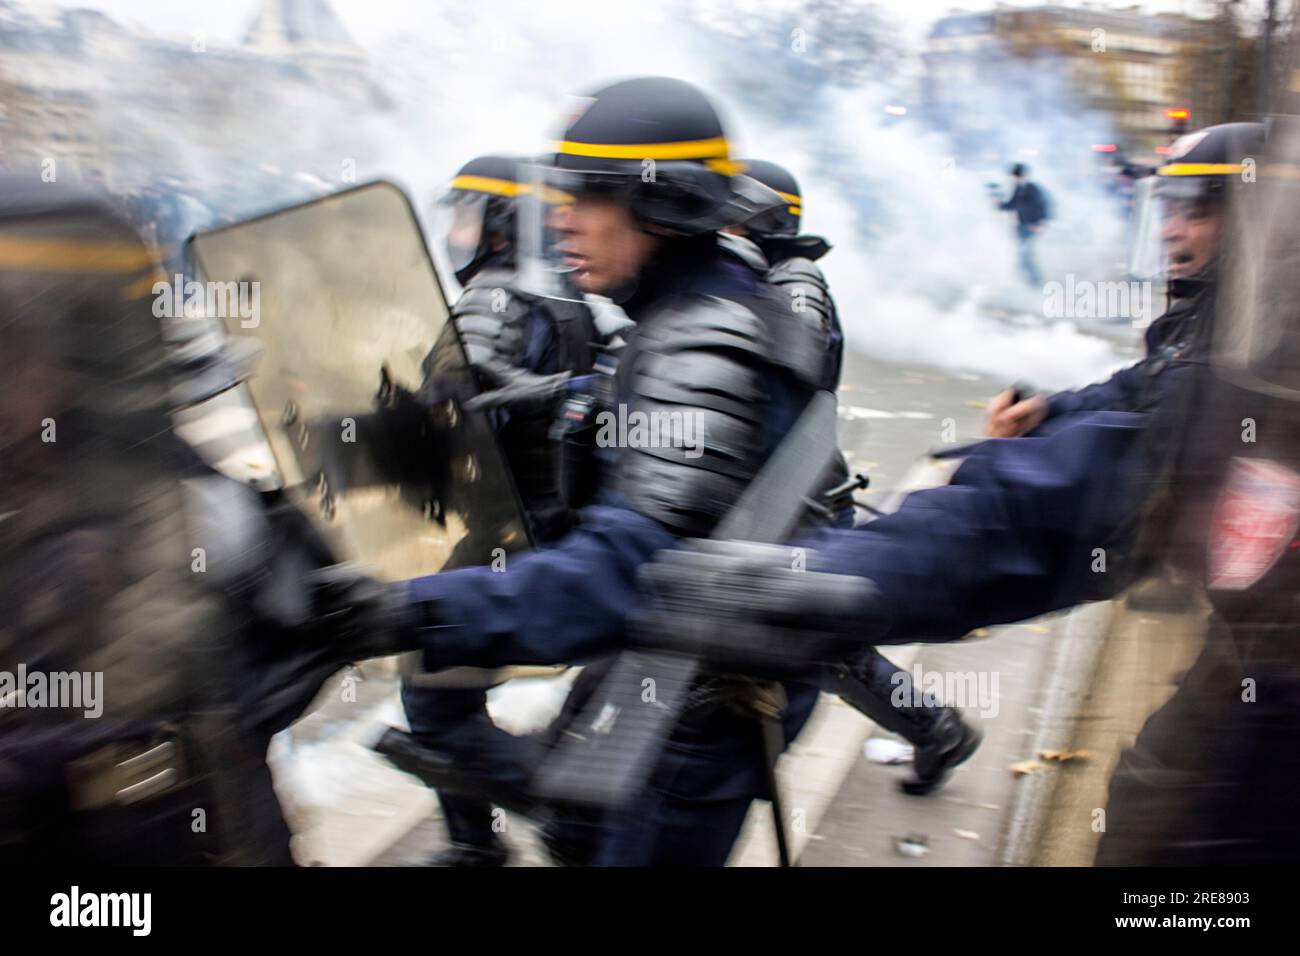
(98, 97)
(1124, 68)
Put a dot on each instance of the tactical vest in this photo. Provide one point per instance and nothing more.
(800, 285)
(495, 320)
(697, 372)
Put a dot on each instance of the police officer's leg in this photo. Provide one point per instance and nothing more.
(573, 834)
(452, 721)
(663, 830)
(701, 791)
(885, 693)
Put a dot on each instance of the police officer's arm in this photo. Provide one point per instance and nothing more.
(553, 605)
(1120, 392)
(707, 365)
(1025, 527)
(1125, 390)
(494, 326)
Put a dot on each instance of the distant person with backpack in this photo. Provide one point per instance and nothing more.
(1030, 204)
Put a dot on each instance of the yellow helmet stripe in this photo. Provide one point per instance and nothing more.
(556, 197)
(73, 255)
(142, 286)
(488, 184)
(791, 198)
(716, 148)
(795, 210)
(727, 167)
(1199, 169)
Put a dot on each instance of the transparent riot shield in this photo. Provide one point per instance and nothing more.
(362, 380)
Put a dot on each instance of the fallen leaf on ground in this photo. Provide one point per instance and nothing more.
(1028, 766)
(1061, 756)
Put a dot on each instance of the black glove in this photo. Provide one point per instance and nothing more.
(748, 607)
(353, 617)
(359, 617)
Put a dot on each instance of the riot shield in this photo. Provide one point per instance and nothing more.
(361, 383)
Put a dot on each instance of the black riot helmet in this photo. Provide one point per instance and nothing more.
(658, 144)
(93, 317)
(785, 221)
(1199, 171)
(77, 292)
(475, 218)
(1209, 161)
(777, 230)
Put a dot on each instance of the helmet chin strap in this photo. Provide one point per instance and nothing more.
(482, 256)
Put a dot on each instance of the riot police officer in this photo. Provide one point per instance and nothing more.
(1017, 531)
(650, 170)
(1208, 778)
(128, 561)
(941, 738)
(792, 260)
(523, 348)
(1183, 210)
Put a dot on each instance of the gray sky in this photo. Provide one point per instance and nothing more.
(370, 19)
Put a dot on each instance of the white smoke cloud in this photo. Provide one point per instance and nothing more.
(922, 266)
(919, 268)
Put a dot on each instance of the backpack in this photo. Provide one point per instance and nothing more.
(1038, 206)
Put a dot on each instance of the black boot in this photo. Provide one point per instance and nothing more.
(948, 744)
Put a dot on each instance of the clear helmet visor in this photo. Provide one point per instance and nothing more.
(459, 220)
(686, 197)
(1145, 260)
(1176, 228)
(546, 200)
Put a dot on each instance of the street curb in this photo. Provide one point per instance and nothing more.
(1078, 640)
